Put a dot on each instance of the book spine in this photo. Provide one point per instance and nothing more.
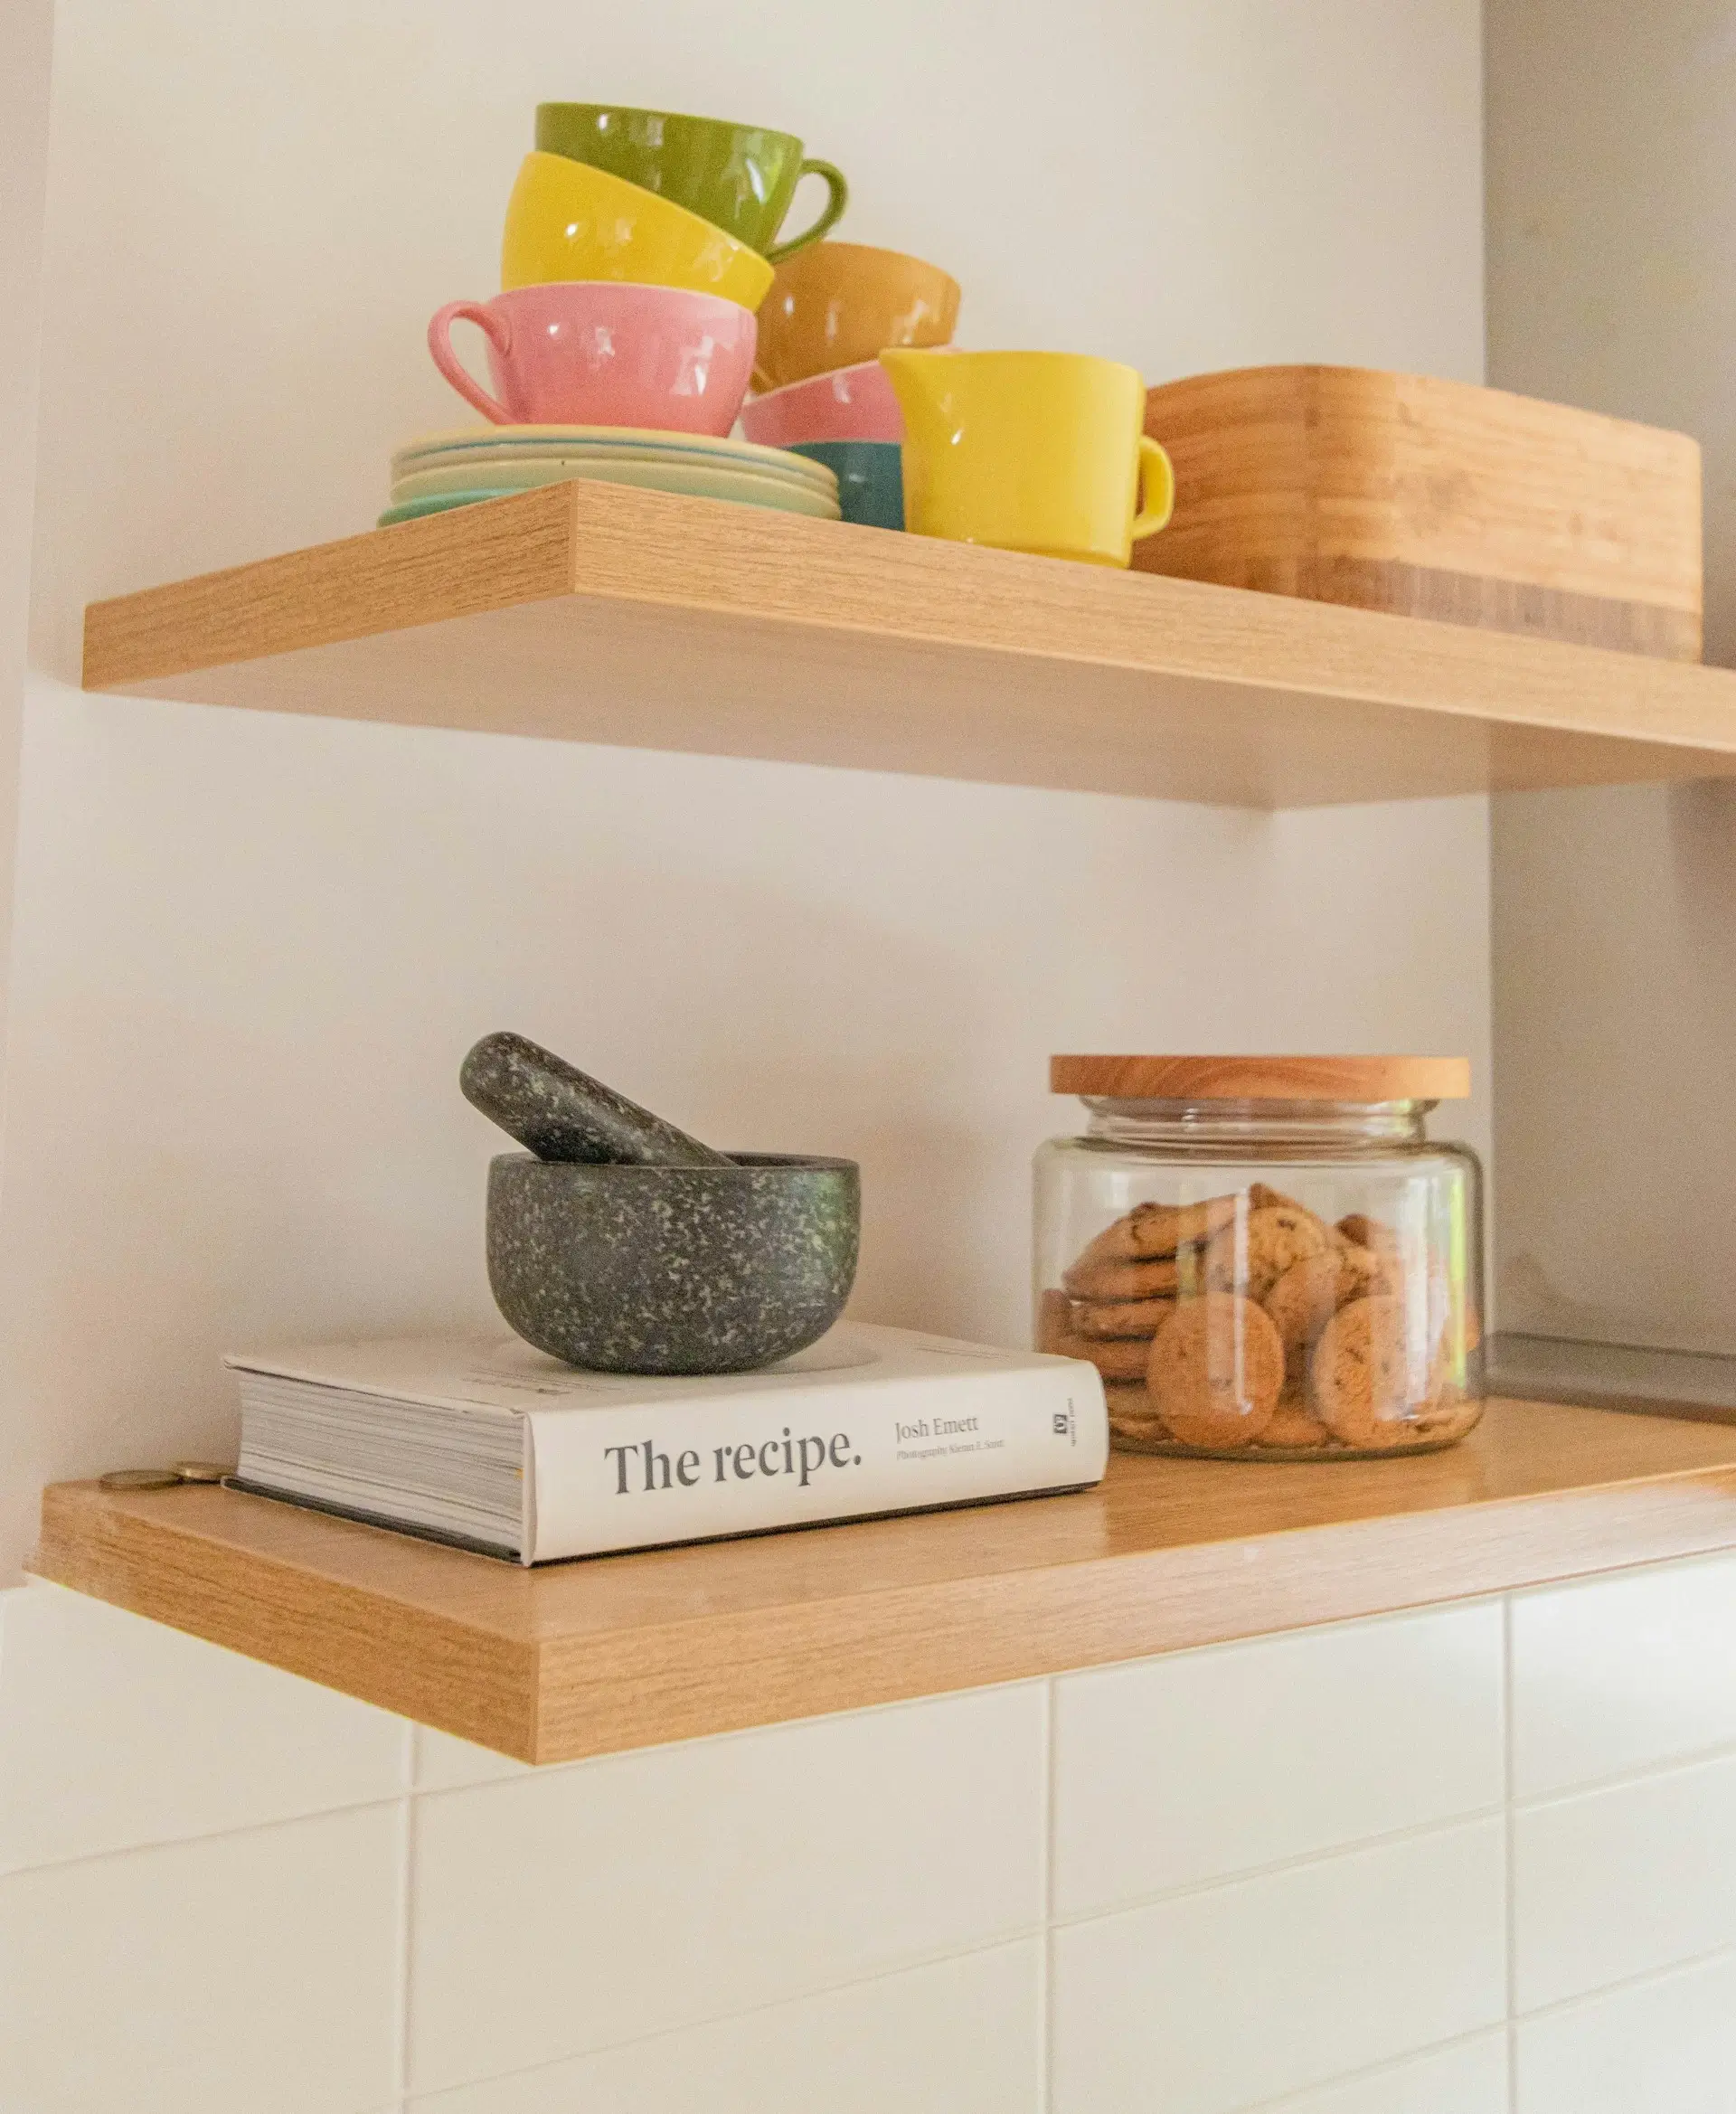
(635, 1478)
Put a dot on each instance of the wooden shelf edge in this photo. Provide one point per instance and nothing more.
(649, 557)
(626, 1652)
(395, 1652)
(468, 562)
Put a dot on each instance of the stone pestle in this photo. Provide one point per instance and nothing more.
(562, 1114)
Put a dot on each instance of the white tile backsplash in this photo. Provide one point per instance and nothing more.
(255, 1971)
(1662, 2046)
(1187, 1769)
(561, 1912)
(211, 1913)
(1622, 1673)
(1622, 1881)
(960, 2037)
(1214, 2001)
(116, 1731)
(439, 1762)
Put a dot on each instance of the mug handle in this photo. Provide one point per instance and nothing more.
(1157, 488)
(494, 328)
(834, 181)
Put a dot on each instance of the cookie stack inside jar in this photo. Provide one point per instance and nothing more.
(1266, 1257)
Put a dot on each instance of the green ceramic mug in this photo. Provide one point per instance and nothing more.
(740, 177)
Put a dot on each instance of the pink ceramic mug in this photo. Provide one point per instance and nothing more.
(604, 352)
(850, 403)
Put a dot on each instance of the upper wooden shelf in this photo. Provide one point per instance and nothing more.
(600, 613)
(628, 1651)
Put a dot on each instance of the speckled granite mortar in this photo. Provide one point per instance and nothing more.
(673, 1270)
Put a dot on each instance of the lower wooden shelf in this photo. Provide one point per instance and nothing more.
(629, 1651)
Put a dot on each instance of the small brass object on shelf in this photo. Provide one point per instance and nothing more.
(201, 1471)
(184, 1471)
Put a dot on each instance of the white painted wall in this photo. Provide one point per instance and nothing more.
(250, 952)
(26, 47)
(1612, 284)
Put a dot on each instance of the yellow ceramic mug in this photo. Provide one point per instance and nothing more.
(1029, 451)
(567, 221)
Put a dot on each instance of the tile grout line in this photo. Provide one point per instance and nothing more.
(407, 1832)
(210, 1835)
(1386, 2067)
(1359, 1846)
(1509, 1903)
(1647, 1976)
(1018, 1941)
(1667, 1765)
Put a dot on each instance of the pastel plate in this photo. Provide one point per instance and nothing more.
(611, 440)
(441, 503)
(523, 468)
(776, 495)
(704, 480)
(498, 465)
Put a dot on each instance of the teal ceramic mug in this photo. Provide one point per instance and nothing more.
(740, 177)
(870, 479)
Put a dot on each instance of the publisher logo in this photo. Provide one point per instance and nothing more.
(1063, 1423)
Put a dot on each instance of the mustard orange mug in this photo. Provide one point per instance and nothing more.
(837, 304)
(1029, 451)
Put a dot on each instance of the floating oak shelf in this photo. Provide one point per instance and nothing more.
(628, 1651)
(600, 613)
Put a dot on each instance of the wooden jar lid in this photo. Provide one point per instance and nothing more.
(1263, 1078)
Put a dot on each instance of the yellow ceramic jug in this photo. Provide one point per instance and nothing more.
(1029, 451)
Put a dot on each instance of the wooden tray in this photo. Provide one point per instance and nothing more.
(1430, 498)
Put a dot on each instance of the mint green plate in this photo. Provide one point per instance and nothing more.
(435, 502)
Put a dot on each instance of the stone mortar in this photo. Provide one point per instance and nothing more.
(673, 1269)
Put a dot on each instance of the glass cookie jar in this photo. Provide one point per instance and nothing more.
(1266, 1257)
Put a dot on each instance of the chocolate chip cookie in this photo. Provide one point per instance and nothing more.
(1362, 1377)
(1250, 1257)
(1216, 1371)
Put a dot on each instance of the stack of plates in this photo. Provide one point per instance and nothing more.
(486, 462)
